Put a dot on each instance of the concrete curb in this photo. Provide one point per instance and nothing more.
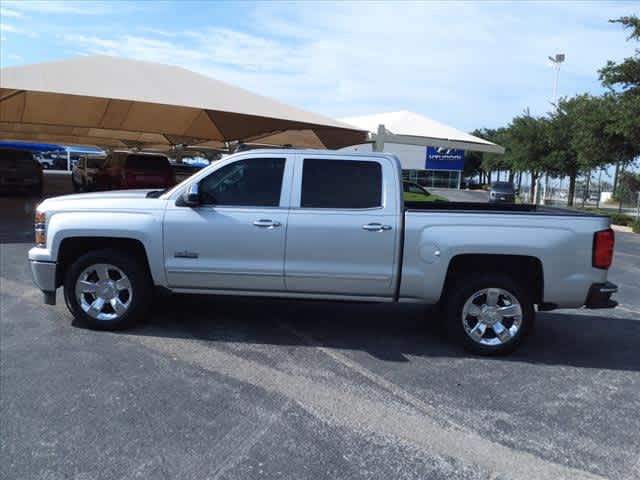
(621, 228)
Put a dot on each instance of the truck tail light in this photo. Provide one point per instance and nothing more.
(603, 243)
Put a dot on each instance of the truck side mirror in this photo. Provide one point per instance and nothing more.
(191, 196)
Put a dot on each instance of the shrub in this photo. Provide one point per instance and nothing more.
(620, 219)
(635, 226)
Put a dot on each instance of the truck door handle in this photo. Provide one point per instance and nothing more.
(266, 223)
(376, 227)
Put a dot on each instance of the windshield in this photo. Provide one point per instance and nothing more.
(16, 158)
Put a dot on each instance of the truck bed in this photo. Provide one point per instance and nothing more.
(506, 208)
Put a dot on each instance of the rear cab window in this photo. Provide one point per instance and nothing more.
(337, 184)
(147, 162)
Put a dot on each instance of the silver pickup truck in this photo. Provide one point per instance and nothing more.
(321, 225)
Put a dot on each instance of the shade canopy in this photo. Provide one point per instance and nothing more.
(121, 103)
(411, 128)
(32, 147)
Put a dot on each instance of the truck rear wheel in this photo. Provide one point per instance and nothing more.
(489, 315)
(107, 289)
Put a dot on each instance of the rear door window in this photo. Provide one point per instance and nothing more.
(341, 184)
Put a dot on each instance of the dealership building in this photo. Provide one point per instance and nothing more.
(431, 153)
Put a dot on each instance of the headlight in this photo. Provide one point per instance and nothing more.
(41, 229)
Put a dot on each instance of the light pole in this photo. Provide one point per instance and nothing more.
(556, 61)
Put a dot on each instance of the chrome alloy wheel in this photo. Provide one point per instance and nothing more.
(103, 291)
(492, 316)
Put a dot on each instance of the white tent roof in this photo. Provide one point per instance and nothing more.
(401, 125)
(118, 102)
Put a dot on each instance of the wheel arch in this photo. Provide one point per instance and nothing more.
(72, 248)
(524, 269)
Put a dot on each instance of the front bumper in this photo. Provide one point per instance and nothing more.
(44, 276)
(600, 295)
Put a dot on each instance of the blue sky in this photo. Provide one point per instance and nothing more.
(467, 64)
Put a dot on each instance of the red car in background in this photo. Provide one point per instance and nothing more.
(127, 170)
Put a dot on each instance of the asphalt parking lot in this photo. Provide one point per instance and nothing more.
(230, 388)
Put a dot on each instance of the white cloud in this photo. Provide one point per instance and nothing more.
(77, 7)
(7, 12)
(10, 28)
(5, 27)
(158, 31)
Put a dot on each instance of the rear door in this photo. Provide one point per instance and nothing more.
(342, 234)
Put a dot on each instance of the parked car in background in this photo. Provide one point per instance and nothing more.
(322, 225)
(20, 172)
(128, 170)
(45, 160)
(83, 174)
(502, 192)
(187, 168)
(414, 192)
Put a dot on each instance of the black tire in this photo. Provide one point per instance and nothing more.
(463, 289)
(138, 276)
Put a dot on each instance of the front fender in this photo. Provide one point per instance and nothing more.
(146, 227)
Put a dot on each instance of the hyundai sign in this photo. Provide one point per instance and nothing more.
(440, 158)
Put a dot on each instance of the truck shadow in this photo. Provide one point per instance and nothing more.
(388, 332)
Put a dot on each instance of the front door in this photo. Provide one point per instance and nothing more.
(235, 239)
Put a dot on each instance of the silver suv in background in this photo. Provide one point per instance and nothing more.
(502, 192)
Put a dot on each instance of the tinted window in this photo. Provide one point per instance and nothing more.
(253, 182)
(94, 162)
(147, 162)
(502, 186)
(17, 158)
(341, 184)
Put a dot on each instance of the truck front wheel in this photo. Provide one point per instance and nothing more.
(489, 315)
(107, 289)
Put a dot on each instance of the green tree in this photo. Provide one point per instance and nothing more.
(527, 146)
(483, 163)
(579, 138)
(494, 161)
(624, 76)
(623, 79)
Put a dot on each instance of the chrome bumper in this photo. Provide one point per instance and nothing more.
(44, 276)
